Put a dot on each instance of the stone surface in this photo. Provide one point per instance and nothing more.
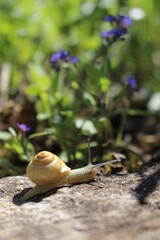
(111, 207)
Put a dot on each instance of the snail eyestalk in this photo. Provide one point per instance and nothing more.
(105, 163)
(89, 152)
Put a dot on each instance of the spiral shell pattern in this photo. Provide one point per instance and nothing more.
(43, 158)
(46, 168)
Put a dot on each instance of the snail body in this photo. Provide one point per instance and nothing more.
(48, 171)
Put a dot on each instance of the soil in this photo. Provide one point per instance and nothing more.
(122, 206)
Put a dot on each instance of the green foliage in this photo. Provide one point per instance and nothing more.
(86, 99)
(19, 143)
(4, 136)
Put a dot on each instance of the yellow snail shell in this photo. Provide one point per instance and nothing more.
(46, 168)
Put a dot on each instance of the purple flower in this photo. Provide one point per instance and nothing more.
(55, 57)
(62, 55)
(106, 34)
(115, 33)
(23, 127)
(121, 20)
(124, 21)
(74, 60)
(132, 82)
(109, 18)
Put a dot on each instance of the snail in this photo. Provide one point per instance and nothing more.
(48, 171)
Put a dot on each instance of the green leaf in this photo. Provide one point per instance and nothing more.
(89, 98)
(68, 114)
(104, 84)
(23, 157)
(4, 136)
(136, 112)
(12, 131)
(55, 83)
(84, 146)
(15, 145)
(93, 73)
(74, 85)
(85, 125)
(40, 134)
(39, 79)
(101, 123)
(33, 90)
(43, 116)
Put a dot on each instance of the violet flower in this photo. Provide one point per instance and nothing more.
(132, 82)
(55, 57)
(23, 127)
(74, 60)
(109, 18)
(121, 20)
(106, 34)
(122, 23)
(115, 33)
(62, 55)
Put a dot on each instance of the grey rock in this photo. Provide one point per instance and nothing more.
(111, 207)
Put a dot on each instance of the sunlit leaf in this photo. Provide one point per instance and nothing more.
(12, 131)
(43, 116)
(15, 145)
(5, 136)
(33, 90)
(104, 84)
(39, 79)
(86, 125)
(89, 98)
(40, 134)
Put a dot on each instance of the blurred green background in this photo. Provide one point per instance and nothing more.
(31, 30)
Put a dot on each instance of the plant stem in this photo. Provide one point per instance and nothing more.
(121, 128)
(24, 146)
